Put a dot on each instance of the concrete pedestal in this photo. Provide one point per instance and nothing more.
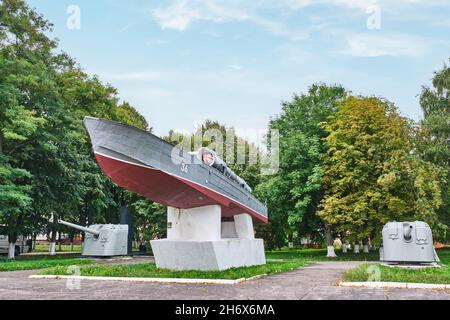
(208, 255)
(197, 239)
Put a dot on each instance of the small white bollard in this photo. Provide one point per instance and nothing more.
(330, 252)
(344, 248)
(365, 248)
(52, 248)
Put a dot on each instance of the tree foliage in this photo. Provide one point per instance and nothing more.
(294, 193)
(47, 166)
(434, 137)
(371, 175)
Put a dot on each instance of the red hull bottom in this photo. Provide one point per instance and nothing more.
(167, 189)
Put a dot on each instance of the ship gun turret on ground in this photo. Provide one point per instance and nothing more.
(408, 242)
(103, 240)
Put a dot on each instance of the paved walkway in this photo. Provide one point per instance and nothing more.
(316, 282)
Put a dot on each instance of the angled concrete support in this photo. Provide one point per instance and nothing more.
(244, 226)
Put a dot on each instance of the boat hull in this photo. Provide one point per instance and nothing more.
(142, 163)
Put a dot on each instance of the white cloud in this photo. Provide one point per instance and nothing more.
(182, 13)
(361, 4)
(352, 4)
(375, 45)
(428, 2)
(236, 67)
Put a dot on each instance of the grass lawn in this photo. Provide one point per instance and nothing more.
(278, 261)
(64, 247)
(395, 274)
(149, 270)
(14, 265)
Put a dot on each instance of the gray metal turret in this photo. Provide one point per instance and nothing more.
(408, 242)
(103, 240)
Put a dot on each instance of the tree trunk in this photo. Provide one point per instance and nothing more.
(356, 247)
(330, 248)
(12, 237)
(53, 238)
(290, 240)
(12, 250)
(83, 220)
(59, 242)
(71, 242)
(34, 242)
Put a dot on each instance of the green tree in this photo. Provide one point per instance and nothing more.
(47, 166)
(22, 69)
(150, 219)
(125, 113)
(371, 174)
(293, 194)
(434, 137)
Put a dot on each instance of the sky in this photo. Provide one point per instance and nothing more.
(180, 62)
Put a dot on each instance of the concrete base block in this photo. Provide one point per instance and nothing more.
(208, 255)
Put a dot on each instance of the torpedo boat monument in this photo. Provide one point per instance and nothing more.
(210, 210)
